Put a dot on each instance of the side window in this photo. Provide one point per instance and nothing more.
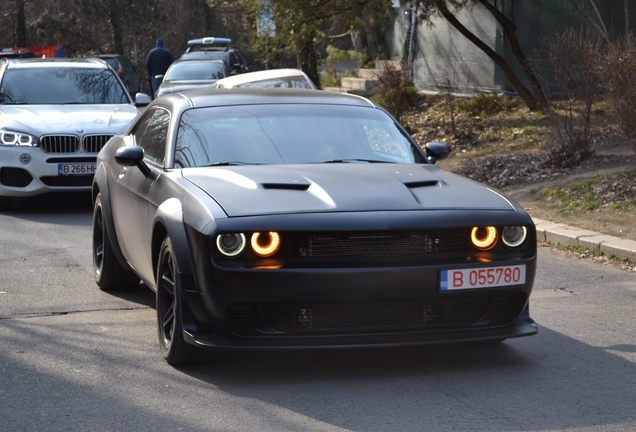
(151, 134)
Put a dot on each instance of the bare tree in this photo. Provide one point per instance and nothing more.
(572, 59)
(598, 25)
(620, 72)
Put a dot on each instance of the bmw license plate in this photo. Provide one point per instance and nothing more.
(71, 169)
(483, 277)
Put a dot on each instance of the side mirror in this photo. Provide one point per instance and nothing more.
(142, 99)
(436, 151)
(159, 77)
(130, 156)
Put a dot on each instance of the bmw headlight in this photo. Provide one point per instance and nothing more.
(514, 236)
(12, 138)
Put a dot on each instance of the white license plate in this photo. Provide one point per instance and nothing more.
(70, 169)
(483, 277)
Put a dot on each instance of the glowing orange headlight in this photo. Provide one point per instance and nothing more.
(265, 244)
(484, 237)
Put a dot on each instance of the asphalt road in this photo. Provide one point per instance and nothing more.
(74, 358)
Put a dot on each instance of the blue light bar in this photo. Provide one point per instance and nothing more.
(210, 41)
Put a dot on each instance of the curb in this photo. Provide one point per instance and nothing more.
(560, 233)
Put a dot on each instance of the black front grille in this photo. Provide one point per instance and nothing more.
(384, 244)
(15, 177)
(67, 181)
(94, 143)
(60, 144)
(394, 316)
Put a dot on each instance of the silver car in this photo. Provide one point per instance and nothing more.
(191, 75)
(55, 116)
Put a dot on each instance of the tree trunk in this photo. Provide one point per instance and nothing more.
(510, 29)
(514, 81)
(307, 60)
(115, 27)
(20, 24)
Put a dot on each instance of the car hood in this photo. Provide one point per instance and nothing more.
(178, 86)
(282, 189)
(52, 119)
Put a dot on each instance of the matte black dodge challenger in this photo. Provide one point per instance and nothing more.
(303, 219)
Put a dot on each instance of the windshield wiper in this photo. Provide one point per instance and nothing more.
(231, 163)
(356, 160)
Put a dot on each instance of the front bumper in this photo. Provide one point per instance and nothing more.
(268, 308)
(359, 299)
(28, 171)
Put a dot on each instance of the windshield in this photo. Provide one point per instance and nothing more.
(284, 82)
(194, 71)
(61, 85)
(287, 134)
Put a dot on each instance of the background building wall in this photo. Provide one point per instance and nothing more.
(442, 55)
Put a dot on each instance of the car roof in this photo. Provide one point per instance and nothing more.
(261, 75)
(20, 63)
(240, 96)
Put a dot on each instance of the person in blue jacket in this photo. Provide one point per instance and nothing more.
(157, 63)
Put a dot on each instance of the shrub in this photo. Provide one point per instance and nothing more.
(572, 59)
(397, 92)
(620, 73)
(483, 104)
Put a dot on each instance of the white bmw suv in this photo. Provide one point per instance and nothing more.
(55, 116)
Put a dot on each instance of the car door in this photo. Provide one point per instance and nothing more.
(132, 189)
(134, 80)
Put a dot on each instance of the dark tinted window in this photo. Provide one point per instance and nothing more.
(61, 85)
(192, 71)
(151, 134)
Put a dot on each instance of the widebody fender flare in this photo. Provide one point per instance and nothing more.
(100, 185)
(169, 221)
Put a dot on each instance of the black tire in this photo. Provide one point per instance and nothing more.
(109, 274)
(173, 346)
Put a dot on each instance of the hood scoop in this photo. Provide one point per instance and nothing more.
(421, 184)
(286, 186)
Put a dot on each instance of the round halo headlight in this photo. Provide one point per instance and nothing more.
(514, 236)
(484, 237)
(265, 244)
(230, 245)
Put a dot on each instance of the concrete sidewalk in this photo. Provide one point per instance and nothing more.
(560, 233)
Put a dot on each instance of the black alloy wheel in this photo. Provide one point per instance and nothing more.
(170, 325)
(109, 274)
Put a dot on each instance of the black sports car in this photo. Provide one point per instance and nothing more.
(296, 218)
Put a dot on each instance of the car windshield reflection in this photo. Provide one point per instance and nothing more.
(48, 86)
(193, 71)
(289, 134)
